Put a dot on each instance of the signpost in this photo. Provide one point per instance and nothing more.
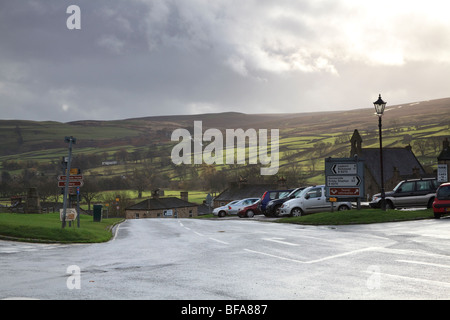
(344, 179)
(442, 173)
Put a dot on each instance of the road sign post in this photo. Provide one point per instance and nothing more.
(344, 178)
(70, 140)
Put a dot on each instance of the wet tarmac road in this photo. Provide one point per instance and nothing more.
(236, 259)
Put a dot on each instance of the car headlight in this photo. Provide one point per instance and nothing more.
(285, 205)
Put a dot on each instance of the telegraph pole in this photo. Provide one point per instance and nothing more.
(71, 140)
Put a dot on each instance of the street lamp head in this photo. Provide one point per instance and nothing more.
(70, 139)
(379, 106)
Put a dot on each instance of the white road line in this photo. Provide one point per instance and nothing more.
(313, 261)
(342, 255)
(273, 256)
(279, 240)
(425, 263)
(220, 241)
(426, 281)
(198, 233)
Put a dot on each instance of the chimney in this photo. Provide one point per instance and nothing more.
(155, 194)
(242, 182)
(282, 183)
(445, 144)
(184, 195)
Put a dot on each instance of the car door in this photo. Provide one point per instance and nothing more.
(423, 189)
(404, 196)
(314, 200)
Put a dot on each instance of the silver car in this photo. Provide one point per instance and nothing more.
(311, 200)
(223, 210)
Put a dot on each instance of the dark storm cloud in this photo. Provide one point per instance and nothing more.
(151, 57)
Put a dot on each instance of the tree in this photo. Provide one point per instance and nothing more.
(90, 190)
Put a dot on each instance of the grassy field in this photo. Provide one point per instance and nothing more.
(47, 228)
(305, 140)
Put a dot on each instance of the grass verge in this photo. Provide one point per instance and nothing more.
(363, 216)
(47, 228)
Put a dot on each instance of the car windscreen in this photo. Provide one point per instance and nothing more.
(301, 194)
(443, 193)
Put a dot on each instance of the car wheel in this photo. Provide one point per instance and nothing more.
(389, 205)
(222, 214)
(343, 208)
(296, 212)
(277, 211)
(430, 203)
(250, 213)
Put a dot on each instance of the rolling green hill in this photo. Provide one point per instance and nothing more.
(143, 144)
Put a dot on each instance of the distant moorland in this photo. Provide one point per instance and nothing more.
(138, 150)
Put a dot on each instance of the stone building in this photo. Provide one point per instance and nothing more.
(156, 207)
(399, 164)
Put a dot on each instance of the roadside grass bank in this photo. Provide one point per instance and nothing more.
(363, 216)
(46, 227)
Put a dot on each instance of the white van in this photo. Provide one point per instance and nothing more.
(311, 200)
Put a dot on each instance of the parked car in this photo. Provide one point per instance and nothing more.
(409, 193)
(441, 204)
(273, 207)
(235, 207)
(223, 210)
(311, 200)
(271, 195)
(249, 211)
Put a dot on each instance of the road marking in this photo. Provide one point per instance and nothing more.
(220, 241)
(427, 281)
(279, 240)
(313, 261)
(273, 256)
(425, 263)
(342, 255)
(198, 233)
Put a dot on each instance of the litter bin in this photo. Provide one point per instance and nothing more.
(97, 212)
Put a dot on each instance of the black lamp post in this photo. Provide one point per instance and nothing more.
(379, 109)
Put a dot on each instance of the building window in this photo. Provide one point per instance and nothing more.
(136, 215)
(190, 213)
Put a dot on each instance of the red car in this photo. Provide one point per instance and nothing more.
(441, 204)
(250, 210)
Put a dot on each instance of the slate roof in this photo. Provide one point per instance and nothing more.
(246, 191)
(401, 158)
(445, 153)
(161, 203)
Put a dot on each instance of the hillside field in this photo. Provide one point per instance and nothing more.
(142, 146)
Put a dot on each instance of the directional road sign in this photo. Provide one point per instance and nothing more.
(344, 168)
(343, 181)
(72, 183)
(351, 192)
(71, 177)
(344, 178)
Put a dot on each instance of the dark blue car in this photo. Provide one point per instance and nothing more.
(271, 195)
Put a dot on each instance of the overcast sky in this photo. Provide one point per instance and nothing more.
(136, 58)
